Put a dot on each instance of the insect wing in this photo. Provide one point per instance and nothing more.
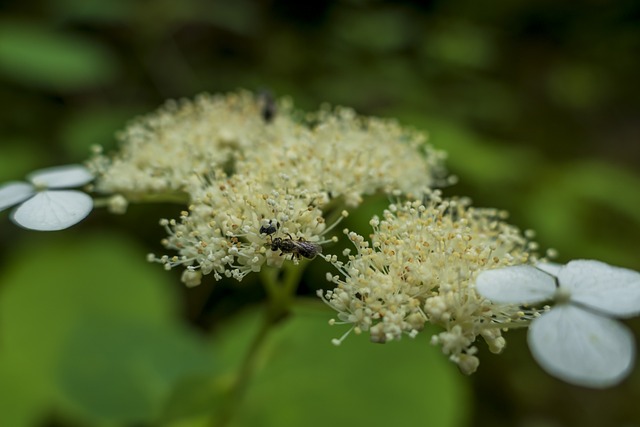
(307, 249)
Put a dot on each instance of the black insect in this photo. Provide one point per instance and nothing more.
(270, 228)
(269, 108)
(298, 248)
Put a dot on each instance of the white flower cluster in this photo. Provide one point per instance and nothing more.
(160, 152)
(258, 189)
(333, 150)
(420, 266)
(233, 221)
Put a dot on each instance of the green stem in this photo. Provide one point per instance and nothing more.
(169, 197)
(246, 370)
(281, 286)
(516, 324)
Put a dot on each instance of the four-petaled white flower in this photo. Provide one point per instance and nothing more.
(44, 205)
(577, 340)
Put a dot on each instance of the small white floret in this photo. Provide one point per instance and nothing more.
(53, 210)
(43, 206)
(520, 284)
(610, 290)
(581, 347)
(61, 176)
(13, 193)
(576, 340)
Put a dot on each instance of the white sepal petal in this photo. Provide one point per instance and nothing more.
(581, 347)
(61, 176)
(13, 193)
(53, 210)
(610, 290)
(518, 284)
(552, 268)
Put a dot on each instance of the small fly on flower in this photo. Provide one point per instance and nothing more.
(268, 106)
(298, 248)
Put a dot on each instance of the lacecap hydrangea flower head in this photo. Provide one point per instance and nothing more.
(419, 267)
(265, 186)
(248, 181)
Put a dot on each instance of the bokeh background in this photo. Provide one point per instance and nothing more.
(536, 102)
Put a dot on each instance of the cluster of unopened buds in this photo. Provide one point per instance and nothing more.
(431, 260)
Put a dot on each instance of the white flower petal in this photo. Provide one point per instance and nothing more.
(61, 176)
(53, 210)
(610, 290)
(518, 284)
(552, 268)
(582, 348)
(13, 193)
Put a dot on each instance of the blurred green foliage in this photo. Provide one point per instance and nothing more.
(108, 349)
(355, 383)
(535, 102)
(52, 60)
(102, 346)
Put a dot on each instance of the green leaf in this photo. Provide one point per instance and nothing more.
(23, 401)
(240, 16)
(93, 126)
(94, 11)
(376, 30)
(194, 400)
(305, 380)
(477, 160)
(136, 365)
(588, 208)
(18, 157)
(50, 59)
(577, 86)
(95, 326)
(460, 45)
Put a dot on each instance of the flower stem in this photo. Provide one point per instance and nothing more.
(169, 197)
(281, 286)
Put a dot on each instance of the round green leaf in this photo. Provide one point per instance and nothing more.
(86, 302)
(135, 364)
(23, 400)
(305, 380)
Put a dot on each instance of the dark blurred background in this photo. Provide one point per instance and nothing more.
(536, 102)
